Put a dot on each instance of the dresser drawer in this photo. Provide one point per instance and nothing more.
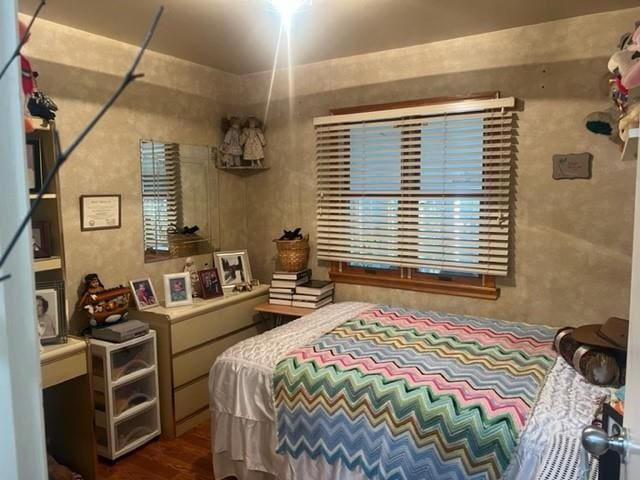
(191, 398)
(204, 328)
(195, 363)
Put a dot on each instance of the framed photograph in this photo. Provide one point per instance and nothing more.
(143, 293)
(51, 312)
(177, 289)
(100, 212)
(210, 283)
(234, 267)
(40, 239)
(34, 165)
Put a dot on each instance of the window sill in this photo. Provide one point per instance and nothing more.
(486, 291)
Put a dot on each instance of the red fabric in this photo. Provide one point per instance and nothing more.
(28, 84)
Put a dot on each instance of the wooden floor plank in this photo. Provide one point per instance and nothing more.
(187, 457)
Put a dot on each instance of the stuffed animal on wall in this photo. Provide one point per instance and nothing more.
(629, 120)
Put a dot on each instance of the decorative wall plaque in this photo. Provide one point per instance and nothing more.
(572, 165)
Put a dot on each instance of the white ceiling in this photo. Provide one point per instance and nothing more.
(239, 36)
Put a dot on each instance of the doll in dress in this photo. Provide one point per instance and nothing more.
(231, 148)
(253, 141)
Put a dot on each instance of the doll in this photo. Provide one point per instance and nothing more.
(253, 141)
(190, 267)
(231, 148)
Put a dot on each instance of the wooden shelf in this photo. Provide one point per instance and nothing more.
(47, 264)
(630, 151)
(46, 196)
(243, 171)
(286, 310)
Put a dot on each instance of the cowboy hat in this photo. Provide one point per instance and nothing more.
(612, 334)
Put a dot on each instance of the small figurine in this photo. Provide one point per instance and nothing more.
(253, 141)
(190, 266)
(231, 149)
(102, 305)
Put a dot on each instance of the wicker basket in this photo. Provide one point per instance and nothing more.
(293, 255)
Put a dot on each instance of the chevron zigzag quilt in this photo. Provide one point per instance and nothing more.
(402, 394)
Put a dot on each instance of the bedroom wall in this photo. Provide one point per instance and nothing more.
(176, 101)
(573, 239)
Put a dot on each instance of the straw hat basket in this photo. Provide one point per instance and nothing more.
(293, 255)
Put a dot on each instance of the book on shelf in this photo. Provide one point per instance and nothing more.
(315, 287)
(318, 304)
(281, 290)
(312, 298)
(289, 283)
(279, 301)
(279, 275)
(281, 296)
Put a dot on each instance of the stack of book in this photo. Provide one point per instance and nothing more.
(283, 286)
(313, 294)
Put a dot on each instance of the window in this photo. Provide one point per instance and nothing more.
(418, 195)
(160, 164)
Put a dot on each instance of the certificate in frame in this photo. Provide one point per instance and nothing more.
(100, 212)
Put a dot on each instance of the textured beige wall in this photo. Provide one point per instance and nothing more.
(176, 101)
(572, 238)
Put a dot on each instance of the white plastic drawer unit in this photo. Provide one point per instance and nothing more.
(126, 406)
(131, 359)
(137, 430)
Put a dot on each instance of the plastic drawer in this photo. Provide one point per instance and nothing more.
(137, 429)
(129, 360)
(132, 394)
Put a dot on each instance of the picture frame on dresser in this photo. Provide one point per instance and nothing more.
(143, 293)
(51, 312)
(177, 289)
(234, 267)
(210, 283)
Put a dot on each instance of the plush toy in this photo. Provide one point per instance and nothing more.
(231, 148)
(625, 63)
(629, 120)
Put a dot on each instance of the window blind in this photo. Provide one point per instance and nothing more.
(161, 192)
(423, 187)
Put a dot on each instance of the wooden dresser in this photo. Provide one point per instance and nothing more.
(189, 340)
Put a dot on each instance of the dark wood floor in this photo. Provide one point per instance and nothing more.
(187, 457)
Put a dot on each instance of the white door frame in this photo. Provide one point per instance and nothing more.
(22, 440)
(632, 391)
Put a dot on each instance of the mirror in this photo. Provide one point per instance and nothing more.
(177, 188)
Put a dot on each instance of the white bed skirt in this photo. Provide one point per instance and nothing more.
(243, 432)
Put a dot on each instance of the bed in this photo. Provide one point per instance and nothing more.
(523, 425)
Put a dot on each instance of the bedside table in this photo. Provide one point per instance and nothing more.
(281, 314)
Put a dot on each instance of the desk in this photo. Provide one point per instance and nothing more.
(281, 311)
(68, 406)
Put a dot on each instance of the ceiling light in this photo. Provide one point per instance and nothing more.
(287, 8)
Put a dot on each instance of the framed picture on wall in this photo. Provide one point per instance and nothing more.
(34, 165)
(234, 267)
(177, 289)
(100, 212)
(143, 293)
(51, 312)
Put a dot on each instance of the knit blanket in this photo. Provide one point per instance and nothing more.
(401, 394)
